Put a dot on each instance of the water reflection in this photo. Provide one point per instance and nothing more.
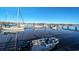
(69, 40)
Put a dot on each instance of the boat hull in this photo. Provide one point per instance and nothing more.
(13, 29)
(42, 45)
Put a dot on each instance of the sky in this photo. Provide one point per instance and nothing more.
(65, 15)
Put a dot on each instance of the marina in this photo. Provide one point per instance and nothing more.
(29, 39)
(35, 29)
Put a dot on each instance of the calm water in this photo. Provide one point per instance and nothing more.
(69, 40)
(71, 27)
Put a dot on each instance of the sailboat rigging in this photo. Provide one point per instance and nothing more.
(18, 28)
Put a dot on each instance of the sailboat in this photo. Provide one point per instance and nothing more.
(18, 28)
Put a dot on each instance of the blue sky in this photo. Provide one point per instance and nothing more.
(41, 14)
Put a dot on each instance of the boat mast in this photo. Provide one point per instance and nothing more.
(17, 15)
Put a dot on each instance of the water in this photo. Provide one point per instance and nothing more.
(78, 27)
(71, 28)
(68, 40)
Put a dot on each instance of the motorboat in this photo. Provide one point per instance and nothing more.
(44, 44)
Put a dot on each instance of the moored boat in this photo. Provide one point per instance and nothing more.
(44, 44)
(18, 28)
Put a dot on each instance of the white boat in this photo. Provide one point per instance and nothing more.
(44, 44)
(14, 28)
(55, 28)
